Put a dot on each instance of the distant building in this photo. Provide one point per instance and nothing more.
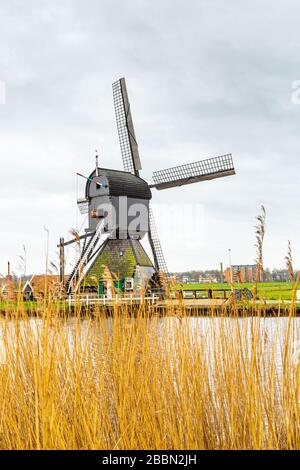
(243, 273)
(7, 289)
(204, 279)
(240, 273)
(280, 275)
(198, 277)
(42, 286)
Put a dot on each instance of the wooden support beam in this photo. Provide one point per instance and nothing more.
(62, 260)
(82, 237)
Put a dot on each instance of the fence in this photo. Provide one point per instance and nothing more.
(205, 293)
(88, 300)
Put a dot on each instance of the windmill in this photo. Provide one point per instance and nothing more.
(112, 201)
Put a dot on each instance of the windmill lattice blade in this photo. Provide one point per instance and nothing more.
(211, 168)
(159, 258)
(128, 143)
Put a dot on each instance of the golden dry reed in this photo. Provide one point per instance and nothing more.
(149, 382)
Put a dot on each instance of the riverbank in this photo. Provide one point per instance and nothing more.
(148, 307)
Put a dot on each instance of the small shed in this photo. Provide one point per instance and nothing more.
(43, 286)
(8, 290)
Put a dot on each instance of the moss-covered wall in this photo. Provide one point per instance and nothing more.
(121, 265)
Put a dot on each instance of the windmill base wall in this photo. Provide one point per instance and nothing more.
(117, 260)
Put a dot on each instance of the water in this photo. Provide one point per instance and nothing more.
(202, 330)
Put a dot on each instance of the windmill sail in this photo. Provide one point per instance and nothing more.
(211, 168)
(159, 259)
(128, 143)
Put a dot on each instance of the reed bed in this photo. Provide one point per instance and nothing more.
(97, 382)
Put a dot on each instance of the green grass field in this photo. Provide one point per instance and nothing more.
(266, 290)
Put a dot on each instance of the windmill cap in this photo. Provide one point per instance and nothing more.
(121, 183)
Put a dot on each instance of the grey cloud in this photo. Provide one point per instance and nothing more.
(204, 78)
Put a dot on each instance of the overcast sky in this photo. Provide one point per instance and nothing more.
(204, 77)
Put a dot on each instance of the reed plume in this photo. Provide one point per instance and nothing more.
(289, 263)
(260, 230)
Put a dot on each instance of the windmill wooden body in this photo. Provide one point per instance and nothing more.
(119, 213)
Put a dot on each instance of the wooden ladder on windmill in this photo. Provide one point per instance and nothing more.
(96, 240)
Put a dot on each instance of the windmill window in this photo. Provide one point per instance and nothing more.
(128, 283)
